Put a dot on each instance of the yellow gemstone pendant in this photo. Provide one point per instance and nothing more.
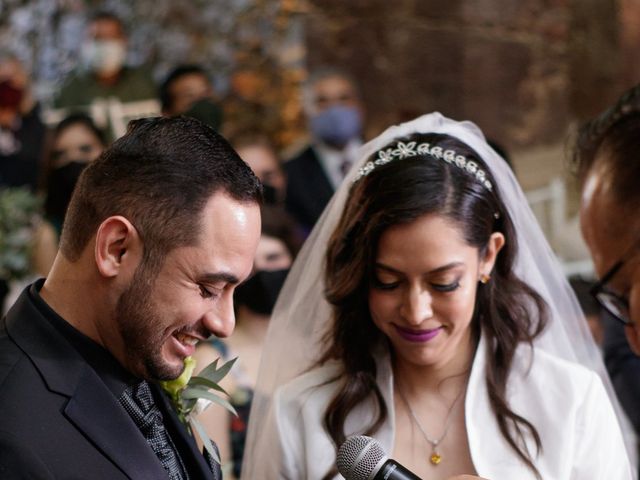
(435, 458)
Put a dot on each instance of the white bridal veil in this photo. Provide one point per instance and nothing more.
(302, 315)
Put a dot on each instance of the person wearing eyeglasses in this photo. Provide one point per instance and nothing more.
(609, 169)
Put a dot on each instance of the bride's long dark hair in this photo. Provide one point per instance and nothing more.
(508, 311)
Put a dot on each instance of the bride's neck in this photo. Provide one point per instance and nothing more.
(446, 377)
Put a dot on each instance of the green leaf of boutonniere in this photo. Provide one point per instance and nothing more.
(203, 382)
(196, 393)
(190, 395)
(215, 374)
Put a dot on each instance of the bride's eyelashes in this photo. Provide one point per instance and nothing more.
(439, 287)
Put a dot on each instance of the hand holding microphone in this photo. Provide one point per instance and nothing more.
(363, 458)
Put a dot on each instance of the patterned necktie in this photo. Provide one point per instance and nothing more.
(138, 401)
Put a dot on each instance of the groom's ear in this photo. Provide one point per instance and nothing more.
(118, 247)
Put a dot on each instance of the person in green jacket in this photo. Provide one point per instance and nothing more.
(104, 73)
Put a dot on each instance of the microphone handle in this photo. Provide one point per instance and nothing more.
(392, 470)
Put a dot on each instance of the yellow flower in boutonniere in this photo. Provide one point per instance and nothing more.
(175, 386)
(190, 395)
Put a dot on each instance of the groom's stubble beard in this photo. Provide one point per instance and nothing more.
(141, 328)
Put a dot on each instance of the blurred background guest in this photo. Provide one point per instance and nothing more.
(254, 101)
(623, 367)
(257, 150)
(104, 72)
(608, 166)
(254, 302)
(607, 163)
(21, 144)
(187, 90)
(335, 119)
(75, 142)
(21, 130)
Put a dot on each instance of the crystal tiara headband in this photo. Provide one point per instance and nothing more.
(411, 149)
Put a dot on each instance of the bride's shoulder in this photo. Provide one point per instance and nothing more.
(541, 367)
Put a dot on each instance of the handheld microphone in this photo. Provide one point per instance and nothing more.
(362, 458)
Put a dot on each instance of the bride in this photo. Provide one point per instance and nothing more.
(426, 310)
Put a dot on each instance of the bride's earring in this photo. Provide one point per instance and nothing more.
(484, 278)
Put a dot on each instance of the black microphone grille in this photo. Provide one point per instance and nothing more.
(360, 457)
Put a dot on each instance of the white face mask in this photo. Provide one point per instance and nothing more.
(105, 56)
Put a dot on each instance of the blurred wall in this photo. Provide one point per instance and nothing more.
(255, 45)
(523, 70)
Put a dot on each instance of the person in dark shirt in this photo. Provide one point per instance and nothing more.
(607, 163)
(74, 143)
(22, 136)
(22, 133)
(187, 90)
(609, 169)
(160, 230)
(335, 115)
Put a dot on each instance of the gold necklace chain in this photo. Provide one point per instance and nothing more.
(435, 457)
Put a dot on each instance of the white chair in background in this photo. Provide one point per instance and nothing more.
(109, 114)
(549, 205)
(52, 117)
(120, 114)
(97, 110)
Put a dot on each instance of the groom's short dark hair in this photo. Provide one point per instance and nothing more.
(159, 176)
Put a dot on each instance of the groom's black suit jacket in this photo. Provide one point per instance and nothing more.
(58, 419)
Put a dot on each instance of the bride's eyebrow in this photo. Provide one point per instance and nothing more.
(441, 269)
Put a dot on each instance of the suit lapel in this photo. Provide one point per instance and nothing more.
(94, 410)
(317, 177)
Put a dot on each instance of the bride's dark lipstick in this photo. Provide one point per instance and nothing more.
(418, 335)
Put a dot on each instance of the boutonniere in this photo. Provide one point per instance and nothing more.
(191, 395)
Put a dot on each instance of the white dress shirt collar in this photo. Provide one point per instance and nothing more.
(332, 159)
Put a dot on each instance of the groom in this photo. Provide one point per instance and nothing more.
(160, 230)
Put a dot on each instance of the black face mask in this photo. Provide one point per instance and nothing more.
(269, 194)
(260, 292)
(62, 181)
(207, 111)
